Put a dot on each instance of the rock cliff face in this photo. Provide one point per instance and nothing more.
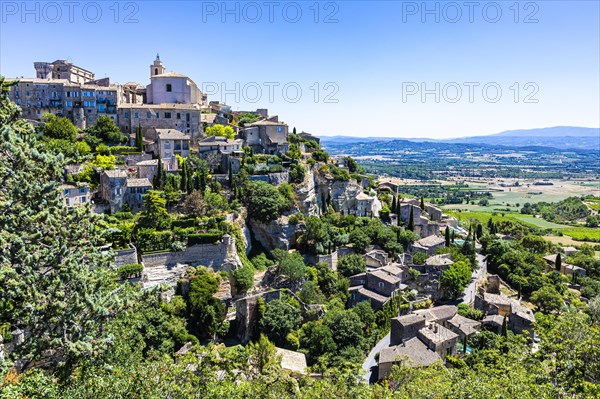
(276, 234)
(347, 197)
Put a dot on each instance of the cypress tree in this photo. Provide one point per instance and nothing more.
(558, 263)
(479, 231)
(184, 176)
(453, 236)
(505, 327)
(411, 220)
(394, 205)
(157, 181)
(294, 131)
(197, 181)
(230, 174)
(447, 236)
(190, 180)
(422, 204)
(139, 139)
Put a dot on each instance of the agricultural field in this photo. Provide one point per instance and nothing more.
(574, 235)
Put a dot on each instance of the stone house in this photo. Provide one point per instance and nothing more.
(520, 318)
(434, 213)
(182, 117)
(366, 205)
(222, 145)
(438, 314)
(412, 351)
(135, 191)
(171, 142)
(439, 260)
(406, 327)
(268, 136)
(62, 69)
(429, 244)
(113, 184)
(463, 326)
(147, 169)
(565, 268)
(418, 341)
(377, 286)
(75, 195)
(376, 258)
(439, 339)
(493, 304)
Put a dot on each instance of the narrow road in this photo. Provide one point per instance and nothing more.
(370, 364)
(478, 275)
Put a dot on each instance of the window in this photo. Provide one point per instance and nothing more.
(186, 145)
(126, 114)
(149, 114)
(169, 87)
(69, 103)
(136, 115)
(381, 285)
(279, 129)
(187, 117)
(82, 200)
(156, 71)
(178, 115)
(167, 115)
(157, 115)
(82, 191)
(167, 145)
(67, 191)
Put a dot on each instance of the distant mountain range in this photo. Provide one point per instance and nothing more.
(560, 137)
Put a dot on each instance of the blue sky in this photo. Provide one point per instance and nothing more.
(374, 58)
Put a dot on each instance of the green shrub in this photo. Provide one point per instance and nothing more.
(204, 238)
(130, 270)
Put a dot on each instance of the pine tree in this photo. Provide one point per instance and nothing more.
(447, 236)
(558, 263)
(411, 220)
(56, 283)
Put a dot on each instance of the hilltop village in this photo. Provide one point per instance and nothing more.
(246, 232)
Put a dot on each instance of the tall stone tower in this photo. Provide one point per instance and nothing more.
(157, 67)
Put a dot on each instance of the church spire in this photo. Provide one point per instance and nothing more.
(157, 57)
